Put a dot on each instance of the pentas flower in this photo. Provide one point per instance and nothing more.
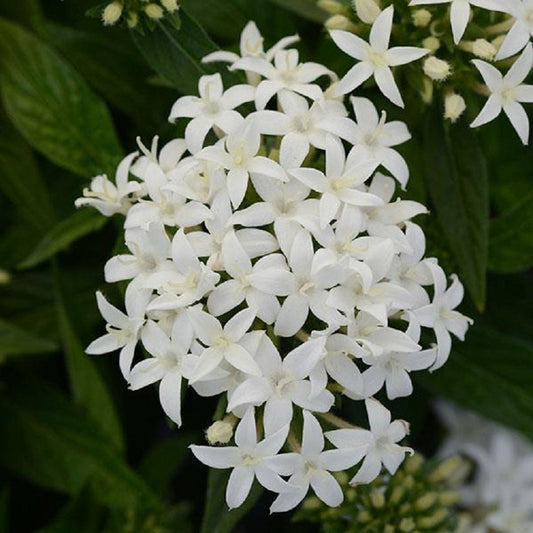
(460, 12)
(522, 30)
(269, 264)
(507, 93)
(375, 58)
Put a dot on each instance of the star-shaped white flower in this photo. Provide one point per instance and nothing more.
(378, 446)
(460, 12)
(522, 30)
(375, 58)
(248, 460)
(507, 93)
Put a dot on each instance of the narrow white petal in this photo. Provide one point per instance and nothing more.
(519, 119)
(216, 457)
(349, 43)
(312, 437)
(381, 30)
(387, 85)
(246, 433)
(355, 77)
(459, 16)
(327, 488)
(170, 396)
(490, 111)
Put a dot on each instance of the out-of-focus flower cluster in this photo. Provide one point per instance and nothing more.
(269, 264)
(498, 497)
(420, 496)
(492, 35)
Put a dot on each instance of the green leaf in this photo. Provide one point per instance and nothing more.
(456, 175)
(49, 441)
(16, 341)
(511, 238)
(52, 106)
(4, 510)
(217, 518)
(306, 9)
(491, 372)
(21, 181)
(88, 389)
(68, 231)
(81, 514)
(115, 70)
(160, 465)
(176, 54)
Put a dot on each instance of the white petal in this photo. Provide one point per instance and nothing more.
(312, 437)
(369, 470)
(459, 16)
(239, 358)
(517, 37)
(355, 77)
(292, 315)
(145, 373)
(300, 362)
(381, 30)
(216, 457)
(490, 74)
(490, 111)
(236, 260)
(239, 485)
(378, 416)
(387, 85)
(398, 384)
(519, 119)
(170, 396)
(521, 67)
(349, 43)
(327, 488)
(246, 433)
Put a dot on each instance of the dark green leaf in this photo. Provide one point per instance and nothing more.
(176, 54)
(4, 510)
(88, 389)
(78, 225)
(162, 462)
(82, 515)
(511, 238)
(304, 8)
(52, 106)
(16, 341)
(50, 441)
(21, 181)
(217, 517)
(456, 175)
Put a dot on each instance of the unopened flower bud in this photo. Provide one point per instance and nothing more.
(483, 49)
(5, 276)
(170, 5)
(132, 20)
(426, 501)
(220, 432)
(436, 69)
(427, 91)
(421, 18)
(498, 41)
(446, 469)
(377, 499)
(154, 11)
(407, 525)
(334, 7)
(431, 43)
(367, 10)
(454, 106)
(430, 522)
(112, 13)
(339, 22)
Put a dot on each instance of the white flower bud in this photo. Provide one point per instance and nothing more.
(421, 18)
(367, 10)
(454, 106)
(170, 5)
(5, 276)
(427, 91)
(436, 69)
(431, 43)
(154, 11)
(331, 6)
(483, 49)
(112, 13)
(220, 432)
(339, 22)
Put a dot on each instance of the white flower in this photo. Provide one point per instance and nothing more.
(110, 198)
(311, 467)
(341, 182)
(522, 30)
(214, 107)
(170, 362)
(373, 138)
(377, 446)
(440, 314)
(282, 383)
(392, 367)
(460, 12)
(375, 58)
(240, 159)
(248, 460)
(122, 329)
(222, 343)
(507, 92)
(286, 73)
(258, 284)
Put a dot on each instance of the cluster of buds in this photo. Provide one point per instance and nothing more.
(483, 32)
(137, 14)
(420, 497)
(268, 264)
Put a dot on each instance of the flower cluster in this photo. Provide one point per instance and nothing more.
(269, 264)
(498, 497)
(420, 496)
(488, 30)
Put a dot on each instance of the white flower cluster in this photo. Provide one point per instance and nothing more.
(500, 493)
(506, 92)
(269, 265)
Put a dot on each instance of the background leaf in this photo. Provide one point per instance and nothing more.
(16, 341)
(456, 175)
(52, 106)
